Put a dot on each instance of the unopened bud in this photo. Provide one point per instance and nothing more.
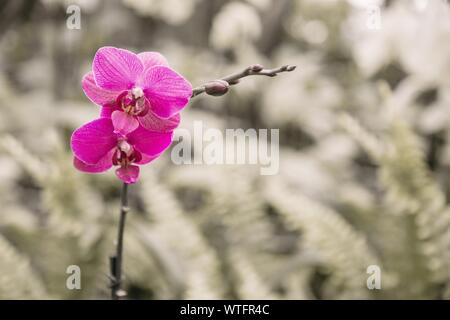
(256, 67)
(217, 87)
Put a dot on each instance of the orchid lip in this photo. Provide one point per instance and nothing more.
(133, 102)
(123, 159)
(125, 154)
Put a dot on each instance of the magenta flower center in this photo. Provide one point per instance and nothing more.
(133, 102)
(125, 154)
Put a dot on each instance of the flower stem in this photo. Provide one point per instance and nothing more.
(253, 70)
(117, 292)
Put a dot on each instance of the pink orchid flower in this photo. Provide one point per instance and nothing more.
(98, 146)
(136, 89)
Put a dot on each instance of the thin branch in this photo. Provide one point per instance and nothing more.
(220, 87)
(116, 260)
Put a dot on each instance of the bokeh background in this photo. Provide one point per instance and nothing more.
(364, 152)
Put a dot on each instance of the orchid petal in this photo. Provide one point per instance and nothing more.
(123, 122)
(146, 159)
(96, 94)
(104, 164)
(116, 69)
(128, 174)
(107, 110)
(151, 59)
(92, 141)
(148, 142)
(151, 121)
(167, 91)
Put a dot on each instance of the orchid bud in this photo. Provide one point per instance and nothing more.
(256, 68)
(217, 87)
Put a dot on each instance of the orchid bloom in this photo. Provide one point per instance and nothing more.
(98, 146)
(136, 89)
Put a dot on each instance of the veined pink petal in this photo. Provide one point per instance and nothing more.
(104, 164)
(146, 159)
(123, 123)
(92, 141)
(148, 142)
(167, 91)
(116, 69)
(107, 110)
(128, 174)
(151, 121)
(96, 94)
(150, 59)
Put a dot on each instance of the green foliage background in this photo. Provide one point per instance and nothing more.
(364, 153)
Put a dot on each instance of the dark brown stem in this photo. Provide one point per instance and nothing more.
(116, 260)
(232, 79)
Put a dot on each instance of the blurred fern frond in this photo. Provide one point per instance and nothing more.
(345, 251)
(17, 277)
